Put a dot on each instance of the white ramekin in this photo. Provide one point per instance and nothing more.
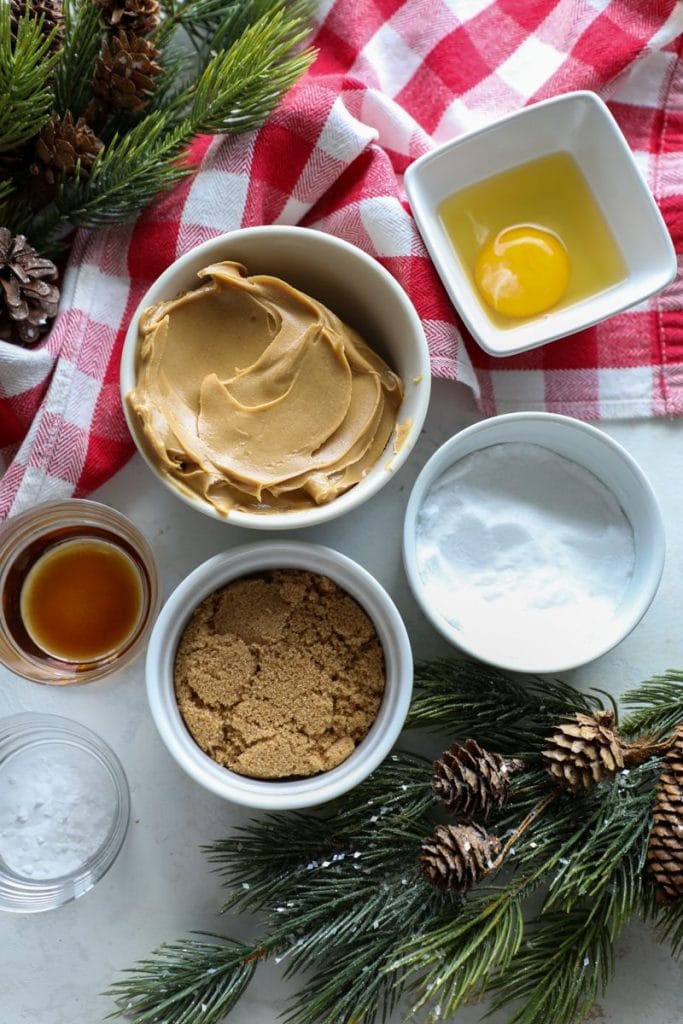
(580, 124)
(243, 561)
(607, 460)
(355, 287)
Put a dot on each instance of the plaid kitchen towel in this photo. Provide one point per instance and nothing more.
(392, 79)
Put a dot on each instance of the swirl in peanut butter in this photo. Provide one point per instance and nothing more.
(252, 395)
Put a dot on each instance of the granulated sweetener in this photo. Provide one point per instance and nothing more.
(520, 548)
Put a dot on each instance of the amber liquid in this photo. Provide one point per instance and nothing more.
(80, 599)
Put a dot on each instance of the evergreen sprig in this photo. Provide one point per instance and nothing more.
(246, 55)
(203, 976)
(660, 706)
(74, 71)
(26, 67)
(342, 897)
(508, 714)
(242, 84)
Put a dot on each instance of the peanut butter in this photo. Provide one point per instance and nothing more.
(255, 396)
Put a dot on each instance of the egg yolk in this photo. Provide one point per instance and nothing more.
(523, 271)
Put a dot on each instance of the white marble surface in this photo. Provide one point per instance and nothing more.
(55, 965)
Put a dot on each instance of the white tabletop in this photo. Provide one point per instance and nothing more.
(55, 965)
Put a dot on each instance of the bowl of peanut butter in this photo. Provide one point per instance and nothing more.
(275, 377)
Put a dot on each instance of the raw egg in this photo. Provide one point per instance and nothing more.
(522, 271)
(532, 239)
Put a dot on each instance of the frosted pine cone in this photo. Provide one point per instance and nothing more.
(456, 857)
(471, 780)
(583, 751)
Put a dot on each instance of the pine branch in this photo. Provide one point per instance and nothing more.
(236, 91)
(240, 86)
(620, 828)
(668, 921)
(255, 859)
(662, 706)
(238, 77)
(26, 68)
(321, 913)
(567, 959)
(239, 16)
(457, 956)
(198, 18)
(82, 40)
(342, 991)
(454, 958)
(579, 848)
(505, 714)
(186, 981)
(127, 175)
(343, 897)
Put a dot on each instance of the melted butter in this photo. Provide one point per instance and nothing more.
(253, 395)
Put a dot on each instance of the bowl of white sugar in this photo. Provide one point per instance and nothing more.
(533, 541)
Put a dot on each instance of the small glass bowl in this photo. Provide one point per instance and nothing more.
(64, 811)
(26, 538)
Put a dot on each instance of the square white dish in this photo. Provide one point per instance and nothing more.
(578, 123)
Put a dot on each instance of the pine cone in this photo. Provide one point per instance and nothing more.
(665, 848)
(456, 857)
(27, 301)
(64, 147)
(471, 780)
(124, 76)
(49, 10)
(139, 16)
(583, 751)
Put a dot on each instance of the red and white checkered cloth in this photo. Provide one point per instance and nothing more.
(393, 78)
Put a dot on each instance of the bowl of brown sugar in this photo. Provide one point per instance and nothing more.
(279, 675)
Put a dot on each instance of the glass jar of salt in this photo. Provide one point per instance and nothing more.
(64, 810)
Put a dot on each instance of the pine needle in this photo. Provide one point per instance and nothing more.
(240, 86)
(668, 922)
(507, 714)
(183, 980)
(619, 826)
(455, 957)
(26, 68)
(660, 704)
(567, 959)
(82, 41)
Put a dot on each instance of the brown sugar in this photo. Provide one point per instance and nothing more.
(279, 675)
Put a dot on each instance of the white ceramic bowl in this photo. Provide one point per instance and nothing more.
(607, 460)
(355, 287)
(243, 561)
(578, 123)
